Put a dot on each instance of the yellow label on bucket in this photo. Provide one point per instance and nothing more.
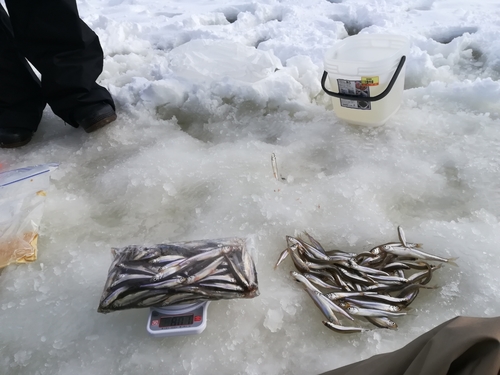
(370, 81)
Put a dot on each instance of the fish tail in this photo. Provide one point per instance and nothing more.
(429, 287)
(410, 311)
(452, 261)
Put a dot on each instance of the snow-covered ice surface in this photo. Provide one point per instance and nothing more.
(206, 91)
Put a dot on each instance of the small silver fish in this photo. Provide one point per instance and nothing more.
(137, 268)
(153, 300)
(387, 298)
(402, 236)
(374, 305)
(129, 299)
(208, 270)
(423, 277)
(322, 305)
(297, 260)
(249, 267)
(354, 277)
(129, 277)
(113, 296)
(315, 243)
(372, 285)
(222, 286)
(282, 257)
(371, 312)
(181, 264)
(382, 322)
(343, 329)
(340, 295)
(311, 251)
(334, 307)
(396, 266)
(322, 284)
(166, 258)
(365, 270)
(301, 278)
(169, 283)
(419, 254)
(220, 277)
(242, 279)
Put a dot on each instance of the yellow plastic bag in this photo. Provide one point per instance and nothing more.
(22, 198)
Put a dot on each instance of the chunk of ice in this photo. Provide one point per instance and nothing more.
(274, 320)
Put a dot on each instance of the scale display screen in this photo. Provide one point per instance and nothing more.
(178, 320)
(173, 321)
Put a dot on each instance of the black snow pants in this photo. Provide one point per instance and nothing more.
(66, 52)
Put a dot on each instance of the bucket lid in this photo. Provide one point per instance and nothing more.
(366, 54)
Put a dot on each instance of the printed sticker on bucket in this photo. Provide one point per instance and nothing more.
(354, 88)
(370, 81)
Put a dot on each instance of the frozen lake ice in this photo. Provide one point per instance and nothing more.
(206, 92)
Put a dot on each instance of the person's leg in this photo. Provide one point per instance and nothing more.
(68, 55)
(21, 101)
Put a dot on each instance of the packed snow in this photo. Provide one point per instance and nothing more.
(206, 92)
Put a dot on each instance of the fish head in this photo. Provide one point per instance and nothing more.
(226, 249)
(292, 241)
(156, 278)
(295, 274)
(392, 325)
(375, 251)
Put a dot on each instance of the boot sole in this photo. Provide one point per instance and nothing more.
(15, 144)
(100, 123)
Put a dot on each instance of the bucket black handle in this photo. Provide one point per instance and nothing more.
(366, 99)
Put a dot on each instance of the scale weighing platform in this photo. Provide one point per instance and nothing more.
(178, 320)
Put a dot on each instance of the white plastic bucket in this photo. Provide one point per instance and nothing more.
(366, 76)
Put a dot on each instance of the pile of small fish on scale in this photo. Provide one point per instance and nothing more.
(179, 273)
(372, 285)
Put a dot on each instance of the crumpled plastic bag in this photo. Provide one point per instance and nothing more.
(22, 199)
(179, 273)
(215, 60)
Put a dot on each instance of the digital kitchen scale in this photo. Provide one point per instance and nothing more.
(178, 320)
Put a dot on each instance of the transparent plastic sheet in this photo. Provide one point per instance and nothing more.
(215, 60)
(22, 199)
(180, 272)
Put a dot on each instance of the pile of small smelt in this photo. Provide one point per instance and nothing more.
(182, 272)
(377, 285)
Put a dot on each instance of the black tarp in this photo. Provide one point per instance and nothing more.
(460, 346)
